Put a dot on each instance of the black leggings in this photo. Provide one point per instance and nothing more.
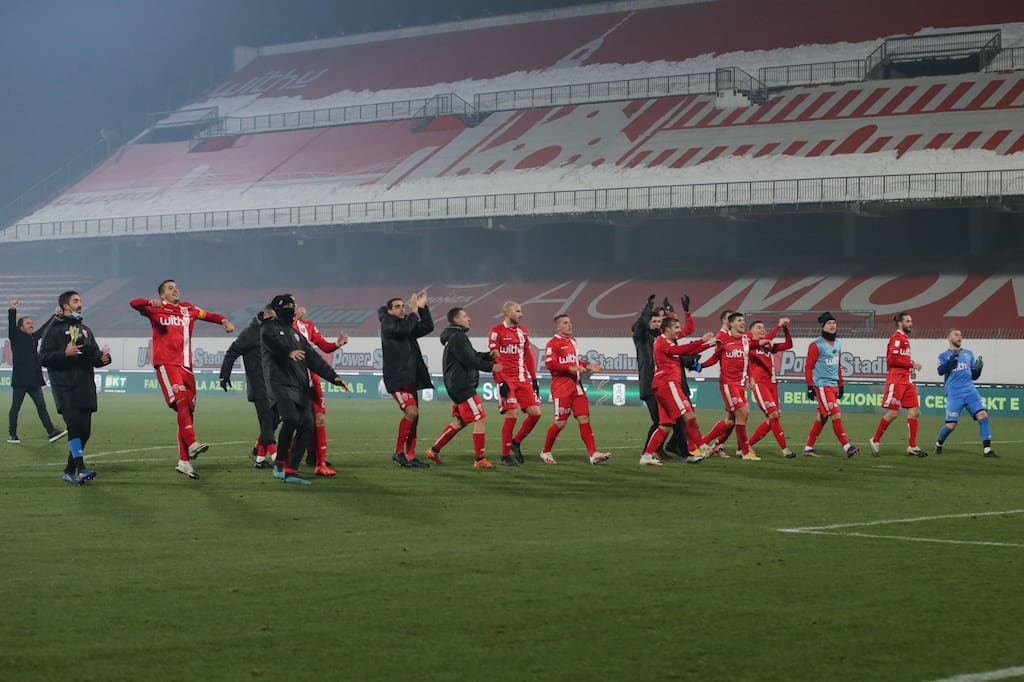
(296, 426)
(652, 408)
(267, 415)
(36, 394)
(79, 423)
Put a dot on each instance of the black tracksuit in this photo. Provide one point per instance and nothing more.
(643, 340)
(27, 373)
(247, 346)
(71, 378)
(462, 364)
(287, 384)
(403, 366)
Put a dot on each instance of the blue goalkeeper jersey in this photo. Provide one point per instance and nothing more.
(959, 372)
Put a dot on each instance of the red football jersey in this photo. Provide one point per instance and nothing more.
(666, 359)
(313, 335)
(172, 330)
(559, 355)
(897, 356)
(734, 355)
(762, 364)
(514, 353)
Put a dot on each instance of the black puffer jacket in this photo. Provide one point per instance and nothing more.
(462, 364)
(27, 372)
(403, 359)
(247, 345)
(288, 379)
(71, 377)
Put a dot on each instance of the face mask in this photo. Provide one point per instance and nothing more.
(286, 315)
(75, 315)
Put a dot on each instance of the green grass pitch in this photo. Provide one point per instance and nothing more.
(543, 572)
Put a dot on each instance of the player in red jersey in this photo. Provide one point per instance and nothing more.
(172, 321)
(824, 375)
(517, 380)
(722, 429)
(900, 390)
(562, 358)
(674, 408)
(733, 353)
(318, 441)
(763, 384)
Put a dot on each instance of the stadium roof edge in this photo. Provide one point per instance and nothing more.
(245, 54)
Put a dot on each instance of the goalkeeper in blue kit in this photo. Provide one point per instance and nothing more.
(960, 368)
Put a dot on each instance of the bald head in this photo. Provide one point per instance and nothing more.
(513, 313)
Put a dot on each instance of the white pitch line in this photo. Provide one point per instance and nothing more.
(907, 538)
(1003, 674)
(883, 522)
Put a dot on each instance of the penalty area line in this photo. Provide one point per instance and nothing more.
(1003, 674)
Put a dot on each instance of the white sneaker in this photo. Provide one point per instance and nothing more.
(599, 457)
(185, 467)
(875, 447)
(650, 460)
(197, 449)
(547, 458)
(787, 453)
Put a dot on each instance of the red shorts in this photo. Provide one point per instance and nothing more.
(177, 384)
(672, 403)
(766, 395)
(405, 397)
(470, 410)
(900, 395)
(828, 402)
(574, 403)
(734, 396)
(520, 394)
(316, 396)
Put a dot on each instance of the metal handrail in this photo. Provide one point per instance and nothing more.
(907, 48)
(847, 70)
(1008, 59)
(809, 191)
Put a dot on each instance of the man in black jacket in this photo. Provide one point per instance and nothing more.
(27, 373)
(70, 352)
(462, 367)
(404, 370)
(287, 361)
(247, 345)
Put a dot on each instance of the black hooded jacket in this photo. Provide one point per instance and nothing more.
(27, 372)
(643, 340)
(71, 378)
(403, 361)
(247, 346)
(462, 364)
(288, 379)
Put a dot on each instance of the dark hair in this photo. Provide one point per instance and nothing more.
(21, 321)
(391, 302)
(724, 314)
(559, 316)
(668, 322)
(755, 323)
(659, 311)
(160, 289)
(268, 308)
(453, 313)
(898, 317)
(734, 315)
(64, 298)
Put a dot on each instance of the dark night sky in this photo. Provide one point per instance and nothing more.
(69, 68)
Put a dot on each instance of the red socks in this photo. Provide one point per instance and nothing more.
(507, 427)
(527, 426)
(816, 428)
(837, 426)
(549, 439)
(882, 426)
(587, 434)
(693, 436)
(446, 435)
(185, 429)
(912, 426)
(780, 437)
(404, 429)
(760, 432)
(657, 438)
(478, 444)
(741, 439)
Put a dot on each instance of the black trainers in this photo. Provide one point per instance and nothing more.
(56, 435)
(517, 451)
(507, 461)
(938, 448)
(991, 453)
(262, 465)
(416, 464)
(13, 438)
